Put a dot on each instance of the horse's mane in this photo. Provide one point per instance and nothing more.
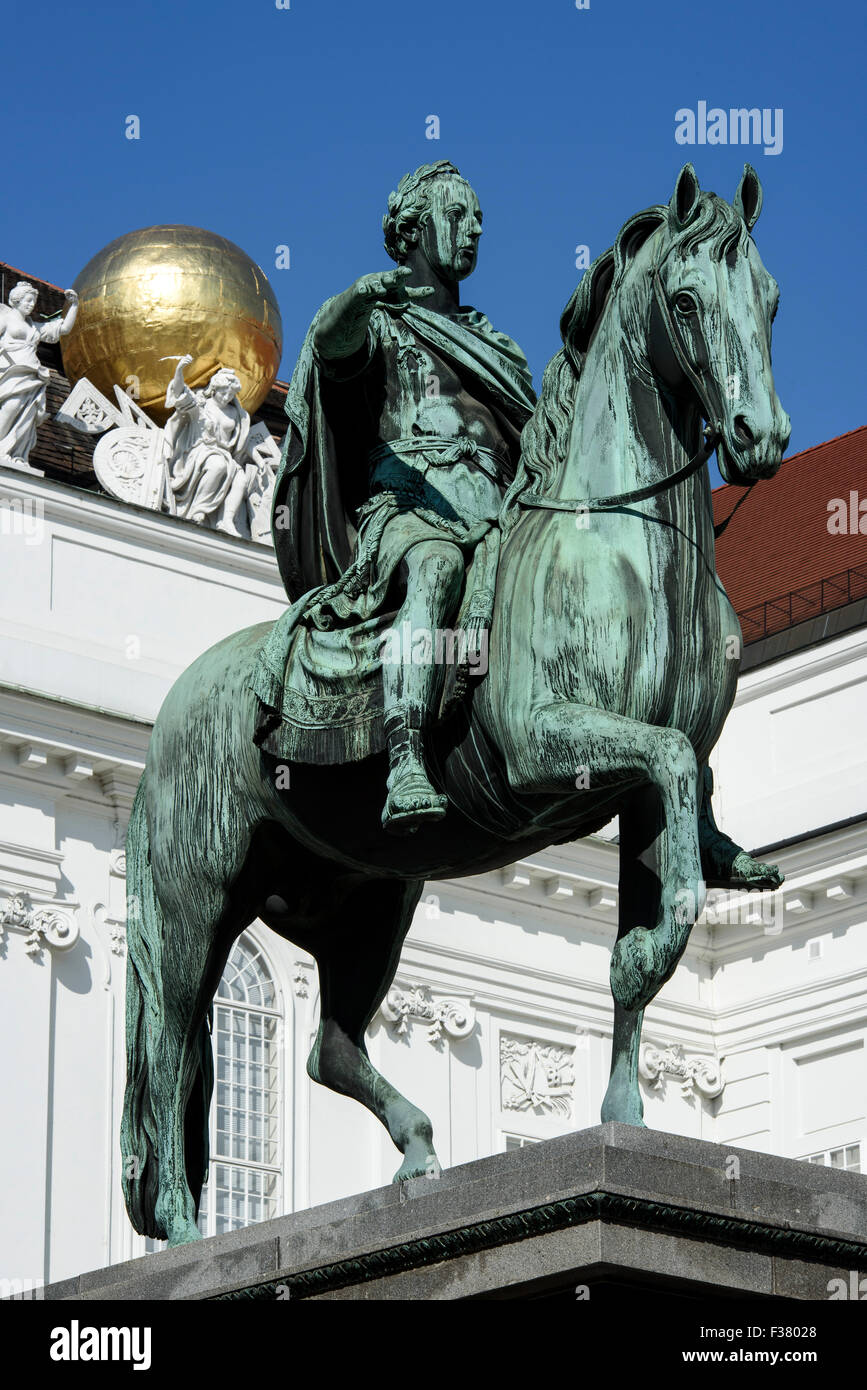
(545, 437)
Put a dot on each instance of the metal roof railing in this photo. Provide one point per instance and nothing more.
(799, 605)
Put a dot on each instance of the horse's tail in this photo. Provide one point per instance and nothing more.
(138, 1131)
(145, 1018)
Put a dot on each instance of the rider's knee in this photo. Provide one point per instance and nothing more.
(439, 566)
(676, 752)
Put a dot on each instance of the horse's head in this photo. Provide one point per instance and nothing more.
(682, 306)
(713, 304)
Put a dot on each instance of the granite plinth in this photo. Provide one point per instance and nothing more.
(609, 1207)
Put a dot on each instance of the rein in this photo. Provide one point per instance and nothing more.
(623, 499)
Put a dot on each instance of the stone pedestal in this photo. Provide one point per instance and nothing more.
(604, 1211)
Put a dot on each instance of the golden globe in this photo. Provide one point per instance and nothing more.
(152, 295)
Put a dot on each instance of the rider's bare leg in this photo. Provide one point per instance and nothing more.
(724, 863)
(433, 572)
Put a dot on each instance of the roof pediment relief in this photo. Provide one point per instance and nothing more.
(208, 464)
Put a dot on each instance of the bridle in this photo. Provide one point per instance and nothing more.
(702, 383)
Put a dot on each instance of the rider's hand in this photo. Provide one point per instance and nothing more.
(389, 287)
(342, 327)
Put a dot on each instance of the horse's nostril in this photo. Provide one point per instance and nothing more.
(742, 430)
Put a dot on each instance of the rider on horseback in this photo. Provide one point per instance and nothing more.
(400, 382)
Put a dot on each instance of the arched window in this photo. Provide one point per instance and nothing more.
(245, 1179)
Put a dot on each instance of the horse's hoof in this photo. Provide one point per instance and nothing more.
(184, 1234)
(414, 1169)
(621, 1117)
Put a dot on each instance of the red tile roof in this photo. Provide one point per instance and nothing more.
(777, 559)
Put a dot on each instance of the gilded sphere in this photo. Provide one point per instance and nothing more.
(151, 296)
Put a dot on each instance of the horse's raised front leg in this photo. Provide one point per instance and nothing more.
(662, 890)
(357, 958)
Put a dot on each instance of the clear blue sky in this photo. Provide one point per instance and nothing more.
(291, 126)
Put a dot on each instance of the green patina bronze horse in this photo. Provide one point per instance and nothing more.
(613, 661)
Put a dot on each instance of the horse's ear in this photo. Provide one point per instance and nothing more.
(684, 199)
(748, 199)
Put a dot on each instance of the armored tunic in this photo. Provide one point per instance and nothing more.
(412, 439)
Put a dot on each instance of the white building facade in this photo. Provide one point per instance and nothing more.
(499, 1024)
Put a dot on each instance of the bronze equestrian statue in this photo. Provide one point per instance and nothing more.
(612, 650)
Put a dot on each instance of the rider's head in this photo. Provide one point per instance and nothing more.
(434, 212)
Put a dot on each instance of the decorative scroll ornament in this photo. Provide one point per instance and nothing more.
(454, 1017)
(45, 926)
(117, 862)
(128, 461)
(300, 981)
(536, 1076)
(700, 1074)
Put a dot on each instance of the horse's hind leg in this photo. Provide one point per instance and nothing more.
(196, 943)
(356, 967)
(724, 863)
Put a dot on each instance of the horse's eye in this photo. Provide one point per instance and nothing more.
(685, 303)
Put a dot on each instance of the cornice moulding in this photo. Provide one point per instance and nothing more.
(808, 663)
(124, 521)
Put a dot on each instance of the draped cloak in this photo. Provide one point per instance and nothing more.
(326, 706)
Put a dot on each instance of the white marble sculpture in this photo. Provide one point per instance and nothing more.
(208, 465)
(23, 379)
(207, 445)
